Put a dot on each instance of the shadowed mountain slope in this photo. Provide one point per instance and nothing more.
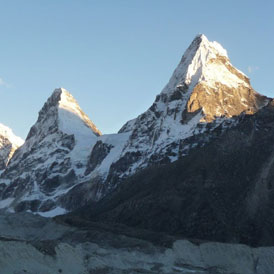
(221, 191)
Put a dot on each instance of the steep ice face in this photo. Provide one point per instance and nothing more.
(54, 156)
(73, 121)
(8, 144)
(69, 112)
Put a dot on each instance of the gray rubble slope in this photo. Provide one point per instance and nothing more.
(95, 249)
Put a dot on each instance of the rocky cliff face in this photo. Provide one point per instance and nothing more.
(8, 144)
(53, 158)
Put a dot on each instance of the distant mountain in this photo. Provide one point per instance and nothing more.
(53, 157)
(8, 144)
(66, 163)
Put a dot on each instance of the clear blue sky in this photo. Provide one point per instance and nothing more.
(116, 56)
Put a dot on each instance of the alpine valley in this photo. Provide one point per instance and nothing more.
(187, 186)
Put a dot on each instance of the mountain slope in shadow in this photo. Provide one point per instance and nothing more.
(222, 191)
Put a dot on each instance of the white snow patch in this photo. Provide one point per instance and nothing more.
(5, 203)
(117, 141)
(54, 212)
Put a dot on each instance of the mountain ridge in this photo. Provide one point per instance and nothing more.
(67, 162)
(191, 104)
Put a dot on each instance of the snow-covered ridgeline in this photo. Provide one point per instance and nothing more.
(65, 162)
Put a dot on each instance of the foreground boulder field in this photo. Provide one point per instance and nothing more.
(40, 245)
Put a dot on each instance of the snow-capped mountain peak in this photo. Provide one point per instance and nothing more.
(9, 142)
(54, 156)
(215, 45)
(206, 81)
(8, 133)
(208, 62)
